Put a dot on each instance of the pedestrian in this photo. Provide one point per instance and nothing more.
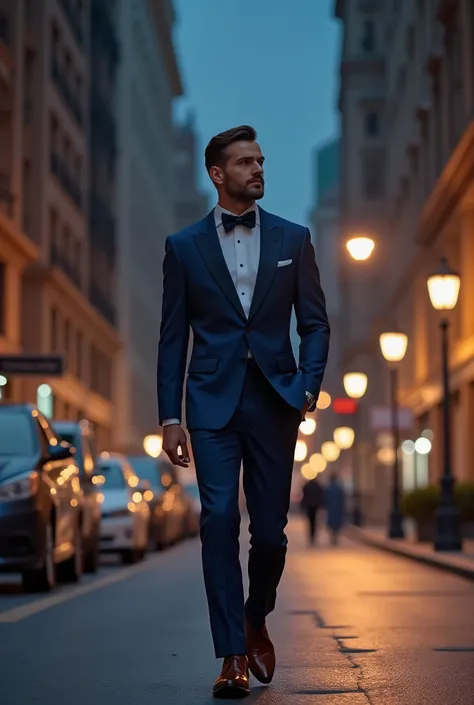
(310, 503)
(234, 278)
(334, 501)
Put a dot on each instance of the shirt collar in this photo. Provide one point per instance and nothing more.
(218, 211)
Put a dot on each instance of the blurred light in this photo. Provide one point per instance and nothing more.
(384, 439)
(133, 481)
(344, 437)
(443, 287)
(422, 446)
(318, 463)
(301, 451)
(308, 472)
(105, 455)
(330, 451)
(324, 400)
(100, 497)
(393, 346)
(386, 456)
(137, 497)
(360, 247)
(408, 447)
(53, 490)
(44, 390)
(74, 502)
(166, 479)
(427, 433)
(132, 507)
(3, 381)
(308, 427)
(153, 445)
(355, 384)
(148, 495)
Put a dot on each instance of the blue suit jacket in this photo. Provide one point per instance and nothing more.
(198, 293)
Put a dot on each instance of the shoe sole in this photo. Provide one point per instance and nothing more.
(231, 692)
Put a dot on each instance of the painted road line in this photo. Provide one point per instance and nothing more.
(23, 611)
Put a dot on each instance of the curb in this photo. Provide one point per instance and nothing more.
(399, 549)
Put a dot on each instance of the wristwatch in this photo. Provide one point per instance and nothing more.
(311, 399)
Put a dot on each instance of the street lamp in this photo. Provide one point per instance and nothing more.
(344, 437)
(355, 385)
(360, 247)
(394, 346)
(443, 288)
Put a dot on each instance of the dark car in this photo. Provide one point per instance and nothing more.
(81, 437)
(168, 506)
(40, 501)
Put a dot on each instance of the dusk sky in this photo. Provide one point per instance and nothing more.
(271, 64)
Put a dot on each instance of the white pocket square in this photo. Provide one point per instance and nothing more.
(285, 262)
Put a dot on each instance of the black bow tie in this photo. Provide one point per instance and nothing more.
(230, 221)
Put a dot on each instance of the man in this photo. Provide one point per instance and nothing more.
(310, 503)
(233, 278)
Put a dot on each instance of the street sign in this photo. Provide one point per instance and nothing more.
(344, 405)
(44, 365)
(381, 418)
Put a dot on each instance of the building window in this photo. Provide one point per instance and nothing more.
(372, 127)
(3, 297)
(373, 174)
(368, 36)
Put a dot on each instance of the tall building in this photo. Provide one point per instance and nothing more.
(148, 82)
(191, 203)
(421, 71)
(44, 181)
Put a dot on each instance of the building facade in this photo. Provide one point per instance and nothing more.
(426, 128)
(45, 270)
(148, 82)
(191, 203)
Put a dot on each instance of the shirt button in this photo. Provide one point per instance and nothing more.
(241, 265)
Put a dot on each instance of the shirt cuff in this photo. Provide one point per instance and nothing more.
(171, 422)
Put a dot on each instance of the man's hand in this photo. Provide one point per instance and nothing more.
(175, 445)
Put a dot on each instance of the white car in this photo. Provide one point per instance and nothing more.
(125, 511)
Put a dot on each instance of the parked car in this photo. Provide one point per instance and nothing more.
(168, 506)
(125, 511)
(40, 501)
(81, 437)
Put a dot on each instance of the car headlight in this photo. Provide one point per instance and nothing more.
(20, 488)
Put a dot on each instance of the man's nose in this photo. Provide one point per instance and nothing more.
(257, 168)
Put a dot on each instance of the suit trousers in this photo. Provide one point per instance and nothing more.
(261, 436)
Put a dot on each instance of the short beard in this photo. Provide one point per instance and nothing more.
(245, 193)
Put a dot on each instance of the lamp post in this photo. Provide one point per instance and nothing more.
(394, 346)
(355, 386)
(360, 247)
(443, 288)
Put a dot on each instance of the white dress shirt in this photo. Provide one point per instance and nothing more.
(241, 250)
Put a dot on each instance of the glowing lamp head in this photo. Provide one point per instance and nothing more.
(153, 445)
(393, 345)
(360, 247)
(443, 287)
(355, 384)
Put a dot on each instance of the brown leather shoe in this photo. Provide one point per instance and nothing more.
(260, 653)
(233, 681)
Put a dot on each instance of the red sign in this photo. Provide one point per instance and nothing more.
(344, 405)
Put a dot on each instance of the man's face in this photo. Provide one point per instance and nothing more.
(242, 175)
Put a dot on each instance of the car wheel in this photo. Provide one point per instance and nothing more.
(42, 579)
(70, 571)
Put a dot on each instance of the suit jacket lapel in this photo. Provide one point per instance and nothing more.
(271, 240)
(207, 241)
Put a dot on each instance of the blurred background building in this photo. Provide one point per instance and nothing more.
(406, 106)
(191, 203)
(88, 155)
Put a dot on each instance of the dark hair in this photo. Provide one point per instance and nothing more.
(215, 150)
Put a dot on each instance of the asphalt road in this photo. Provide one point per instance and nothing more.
(353, 626)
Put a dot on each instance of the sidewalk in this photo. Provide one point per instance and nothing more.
(460, 563)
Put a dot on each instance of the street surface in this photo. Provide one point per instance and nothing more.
(353, 626)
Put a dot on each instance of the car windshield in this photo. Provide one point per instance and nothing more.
(146, 469)
(113, 476)
(17, 434)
